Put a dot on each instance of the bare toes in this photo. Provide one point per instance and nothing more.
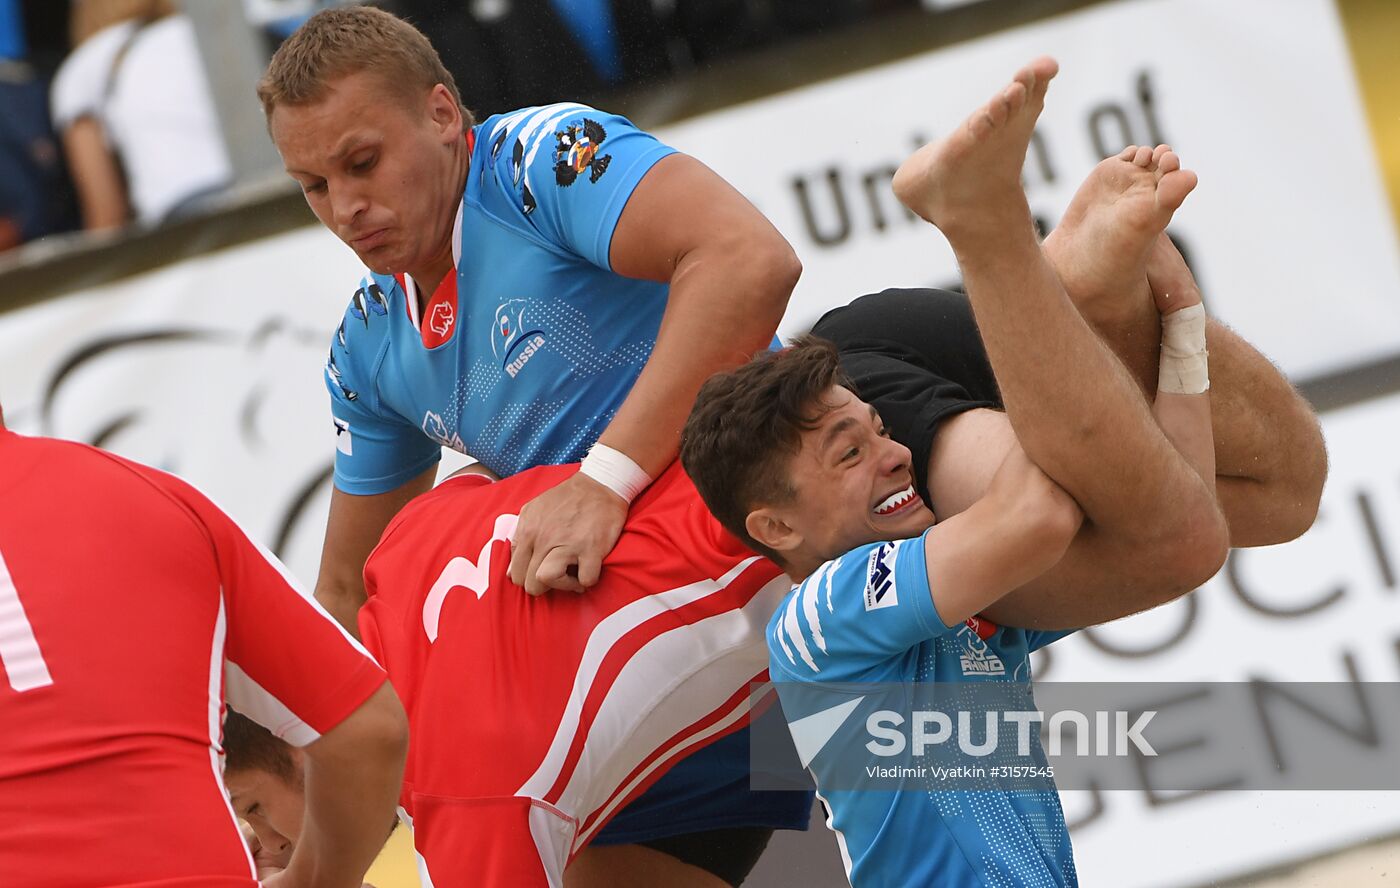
(1169, 162)
(1158, 152)
(1127, 153)
(981, 124)
(1015, 97)
(1143, 156)
(1173, 188)
(1038, 74)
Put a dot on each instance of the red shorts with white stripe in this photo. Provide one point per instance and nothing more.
(535, 720)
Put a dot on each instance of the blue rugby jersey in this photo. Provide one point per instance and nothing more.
(542, 342)
(523, 362)
(868, 616)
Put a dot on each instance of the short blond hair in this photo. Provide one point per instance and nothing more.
(340, 41)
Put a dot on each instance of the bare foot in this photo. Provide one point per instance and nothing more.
(1173, 286)
(1100, 247)
(967, 183)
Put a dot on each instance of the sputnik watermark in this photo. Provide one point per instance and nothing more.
(1112, 733)
(1155, 738)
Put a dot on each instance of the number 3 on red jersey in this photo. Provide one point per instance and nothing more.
(19, 649)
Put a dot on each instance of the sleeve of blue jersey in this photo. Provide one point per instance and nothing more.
(376, 450)
(1037, 639)
(581, 182)
(856, 615)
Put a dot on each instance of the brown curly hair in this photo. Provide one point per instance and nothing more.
(747, 425)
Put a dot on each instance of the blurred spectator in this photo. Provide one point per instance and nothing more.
(507, 54)
(138, 123)
(35, 197)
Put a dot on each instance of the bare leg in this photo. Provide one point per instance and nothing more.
(1183, 418)
(1268, 491)
(1269, 494)
(1075, 410)
(1101, 265)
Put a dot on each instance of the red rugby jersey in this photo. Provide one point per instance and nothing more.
(130, 607)
(534, 720)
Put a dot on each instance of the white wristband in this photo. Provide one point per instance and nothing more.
(1183, 367)
(616, 471)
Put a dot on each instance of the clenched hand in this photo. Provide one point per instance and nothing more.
(564, 534)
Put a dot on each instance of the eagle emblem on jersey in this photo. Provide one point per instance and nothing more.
(576, 149)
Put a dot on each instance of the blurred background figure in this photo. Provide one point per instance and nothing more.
(132, 105)
(507, 54)
(35, 196)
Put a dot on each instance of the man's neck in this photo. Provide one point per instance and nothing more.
(426, 283)
(800, 569)
(428, 278)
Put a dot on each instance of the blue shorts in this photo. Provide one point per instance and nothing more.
(707, 790)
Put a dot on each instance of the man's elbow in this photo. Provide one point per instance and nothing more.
(769, 270)
(1056, 519)
(379, 728)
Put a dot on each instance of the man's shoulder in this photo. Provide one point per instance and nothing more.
(477, 496)
(366, 326)
(536, 155)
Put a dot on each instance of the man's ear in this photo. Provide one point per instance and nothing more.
(446, 114)
(769, 528)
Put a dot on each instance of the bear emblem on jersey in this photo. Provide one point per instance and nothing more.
(576, 149)
(441, 319)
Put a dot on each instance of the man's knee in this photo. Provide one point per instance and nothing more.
(1195, 545)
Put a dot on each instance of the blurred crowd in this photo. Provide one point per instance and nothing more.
(107, 119)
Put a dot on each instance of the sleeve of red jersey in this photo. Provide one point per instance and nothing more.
(288, 665)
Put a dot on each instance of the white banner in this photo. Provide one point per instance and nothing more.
(1320, 609)
(1288, 231)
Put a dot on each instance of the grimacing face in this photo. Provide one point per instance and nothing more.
(853, 485)
(272, 806)
(379, 170)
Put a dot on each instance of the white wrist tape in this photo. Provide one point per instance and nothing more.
(616, 471)
(1183, 369)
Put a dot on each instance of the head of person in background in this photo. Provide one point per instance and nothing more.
(370, 124)
(793, 463)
